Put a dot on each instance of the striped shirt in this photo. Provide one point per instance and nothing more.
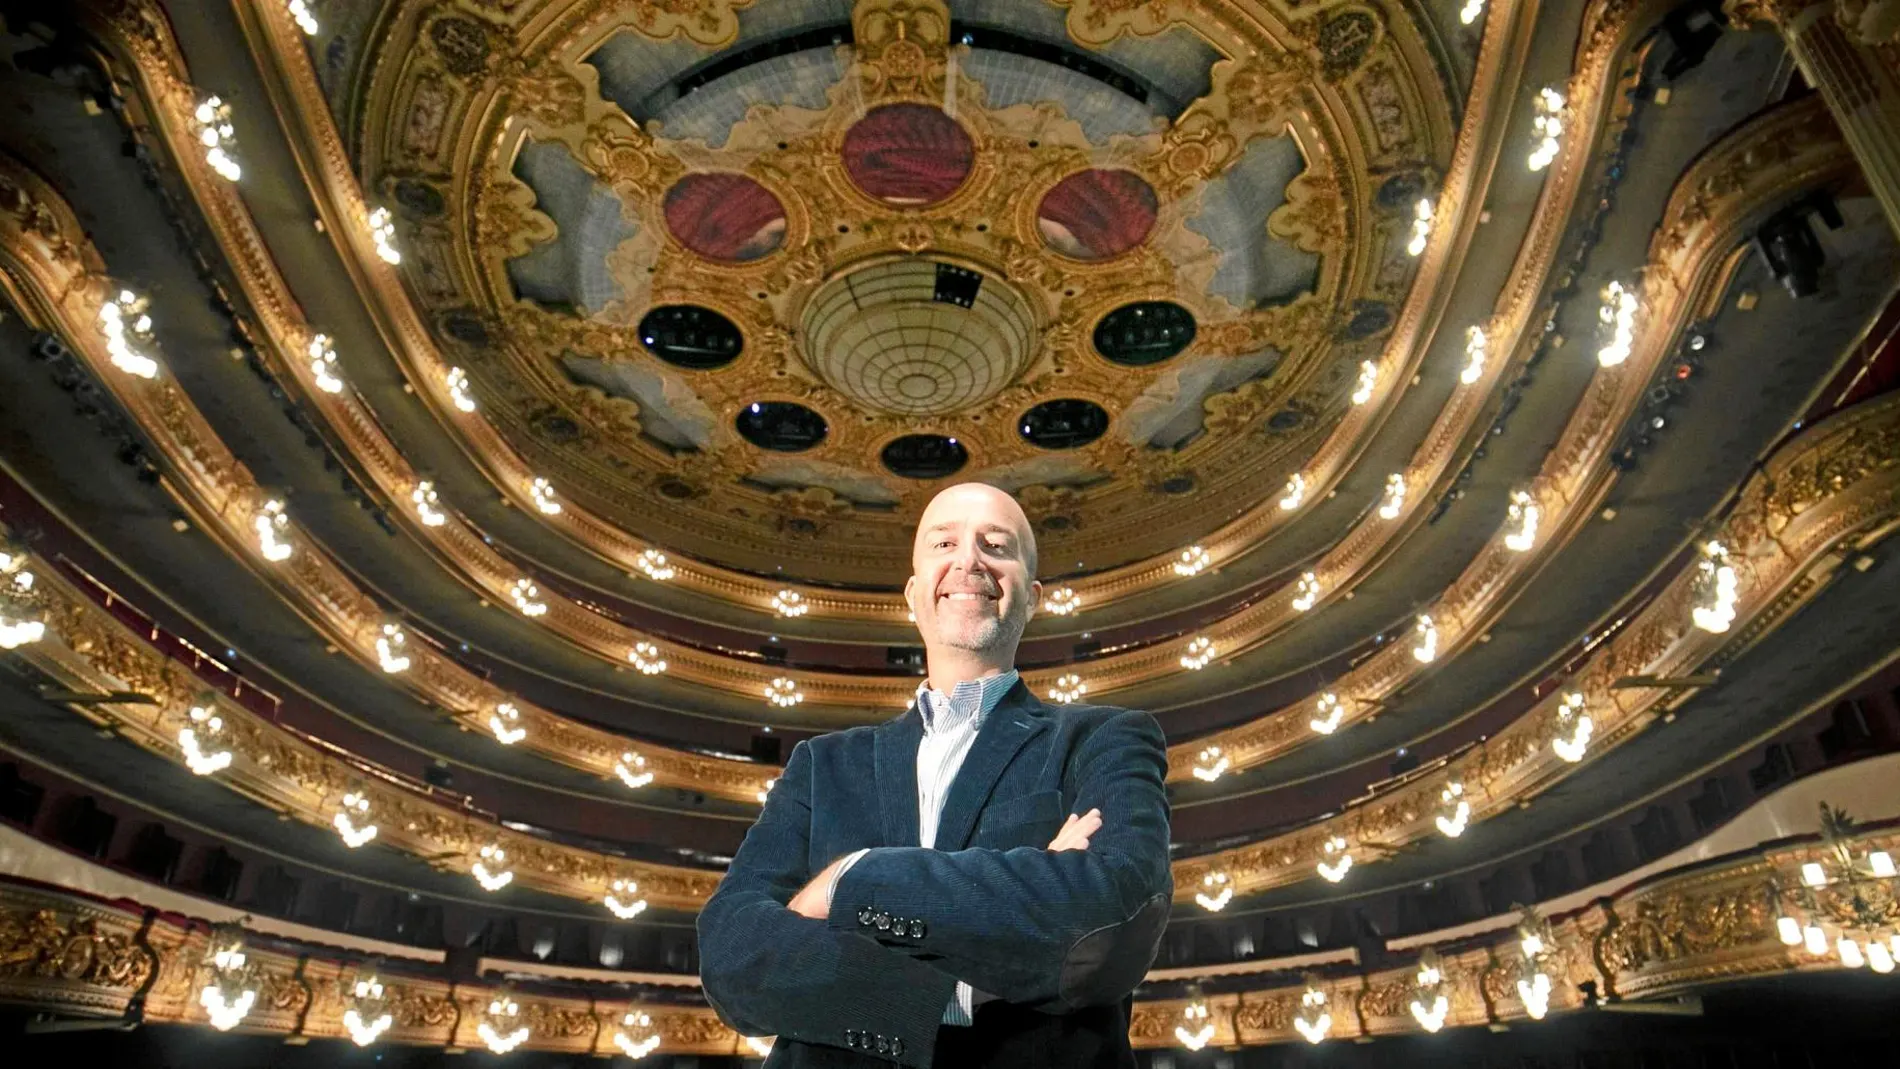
(950, 726)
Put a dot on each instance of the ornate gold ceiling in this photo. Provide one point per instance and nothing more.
(838, 206)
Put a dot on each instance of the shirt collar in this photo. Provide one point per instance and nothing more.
(969, 699)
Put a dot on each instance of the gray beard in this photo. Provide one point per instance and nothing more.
(989, 635)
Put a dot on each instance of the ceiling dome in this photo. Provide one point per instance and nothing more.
(916, 338)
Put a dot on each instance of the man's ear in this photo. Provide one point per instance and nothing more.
(910, 589)
(1035, 596)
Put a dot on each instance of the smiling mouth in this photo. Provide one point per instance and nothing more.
(963, 595)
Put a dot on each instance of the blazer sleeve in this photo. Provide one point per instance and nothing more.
(1054, 930)
(769, 971)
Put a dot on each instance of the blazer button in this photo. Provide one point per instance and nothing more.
(883, 1045)
(866, 915)
(917, 929)
(850, 1037)
(897, 1046)
(883, 921)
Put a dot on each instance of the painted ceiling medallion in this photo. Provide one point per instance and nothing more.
(910, 155)
(1097, 214)
(725, 217)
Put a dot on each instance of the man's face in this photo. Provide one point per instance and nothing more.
(972, 584)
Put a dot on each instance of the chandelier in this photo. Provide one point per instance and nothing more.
(1217, 889)
(1196, 1028)
(230, 988)
(1209, 764)
(1313, 1021)
(20, 619)
(366, 1010)
(637, 1024)
(1430, 1003)
(506, 723)
(272, 523)
(620, 900)
(1846, 900)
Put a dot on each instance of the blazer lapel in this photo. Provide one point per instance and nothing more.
(895, 752)
(1015, 720)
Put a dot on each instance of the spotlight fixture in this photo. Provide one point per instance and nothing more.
(1068, 687)
(323, 366)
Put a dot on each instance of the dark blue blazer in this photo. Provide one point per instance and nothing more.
(1061, 939)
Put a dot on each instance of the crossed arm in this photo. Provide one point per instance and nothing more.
(1074, 924)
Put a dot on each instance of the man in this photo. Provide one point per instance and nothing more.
(912, 892)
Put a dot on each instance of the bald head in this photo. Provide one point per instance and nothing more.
(973, 577)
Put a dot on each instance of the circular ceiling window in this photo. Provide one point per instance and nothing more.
(1063, 424)
(726, 217)
(780, 426)
(688, 336)
(908, 154)
(925, 456)
(1098, 213)
(1147, 332)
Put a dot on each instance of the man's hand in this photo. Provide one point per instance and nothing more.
(810, 899)
(1076, 831)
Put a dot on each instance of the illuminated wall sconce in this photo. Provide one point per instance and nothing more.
(652, 563)
(127, 328)
(1368, 380)
(1200, 652)
(366, 1010)
(1195, 1028)
(1217, 889)
(1430, 1003)
(1619, 315)
(542, 492)
(645, 656)
(1393, 502)
(1454, 810)
(1716, 589)
(783, 692)
(1313, 1021)
(501, 1026)
(1295, 494)
(323, 365)
(382, 231)
(203, 740)
(1547, 127)
(1469, 13)
(506, 723)
(230, 988)
(426, 502)
(1520, 522)
(491, 868)
(1062, 601)
(790, 604)
(352, 820)
(301, 15)
(1425, 651)
(632, 770)
(1574, 728)
(527, 598)
(765, 791)
(1421, 227)
(1306, 592)
(1475, 346)
(1068, 688)
(622, 899)
(1327, 714)
(391, 647)
(1210, 764)
(457, 381)
(1335, 859)
(1191, 562)
(216, 133)
(636, 1037)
